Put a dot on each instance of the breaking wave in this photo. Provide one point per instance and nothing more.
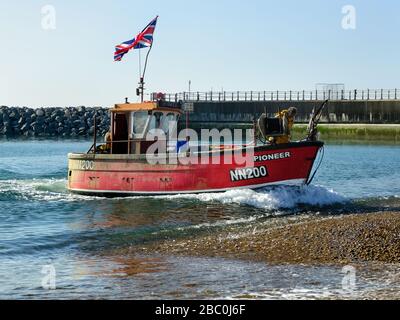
(36, 189)
(284, 197)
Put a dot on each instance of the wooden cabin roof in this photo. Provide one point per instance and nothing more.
(144, 106)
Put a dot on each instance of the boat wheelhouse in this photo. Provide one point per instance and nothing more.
(130, 123)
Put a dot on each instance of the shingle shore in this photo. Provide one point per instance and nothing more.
(339, 240)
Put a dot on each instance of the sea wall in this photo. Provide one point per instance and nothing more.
(52, 122)
(344, 132)
(341, 111)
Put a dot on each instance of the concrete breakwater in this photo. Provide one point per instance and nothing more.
(371, 133)
(52, 122)
(360, 111)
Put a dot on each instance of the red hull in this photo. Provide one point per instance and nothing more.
(124, 175)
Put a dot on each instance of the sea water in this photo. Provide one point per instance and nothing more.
(81, 242)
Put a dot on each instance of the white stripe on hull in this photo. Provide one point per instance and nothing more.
(293, 182)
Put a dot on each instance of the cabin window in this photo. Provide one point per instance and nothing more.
(139, 121)
(166, 119)
(155, 120)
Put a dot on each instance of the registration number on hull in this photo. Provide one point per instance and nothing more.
(248, 173)
(86, 165)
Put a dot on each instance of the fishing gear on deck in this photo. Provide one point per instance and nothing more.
(313, 124)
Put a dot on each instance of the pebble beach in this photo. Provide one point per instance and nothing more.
(355, 238)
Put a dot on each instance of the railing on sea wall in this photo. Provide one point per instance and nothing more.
(305, 95)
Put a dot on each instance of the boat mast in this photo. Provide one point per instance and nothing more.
(140, 89)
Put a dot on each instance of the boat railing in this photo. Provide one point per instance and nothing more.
(110, 144)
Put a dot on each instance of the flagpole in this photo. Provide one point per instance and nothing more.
(140, 63)
(141, 83)
(145, 67)
(140, 89)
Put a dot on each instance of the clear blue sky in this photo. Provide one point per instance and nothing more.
(229, 44)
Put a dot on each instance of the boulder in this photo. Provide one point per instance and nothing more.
(13, 115)
(40, 119)
(82, 131)
(6, 117)
(7, 130)
(25, 127)
(40, 112)
(78, 123)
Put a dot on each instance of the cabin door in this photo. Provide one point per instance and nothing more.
(120, 136)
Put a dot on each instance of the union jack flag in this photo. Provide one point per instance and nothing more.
(142, 40)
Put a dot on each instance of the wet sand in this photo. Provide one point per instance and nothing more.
(372, 237)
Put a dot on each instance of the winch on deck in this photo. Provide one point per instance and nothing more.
(277, 130)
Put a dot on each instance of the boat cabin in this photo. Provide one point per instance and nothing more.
(130, 123)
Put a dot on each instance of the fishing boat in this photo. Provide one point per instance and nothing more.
(129, 164)
(126, 167)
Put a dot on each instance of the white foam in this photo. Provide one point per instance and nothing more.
(221, 223)
(268, 198)
(273, 198)
(40, 189)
